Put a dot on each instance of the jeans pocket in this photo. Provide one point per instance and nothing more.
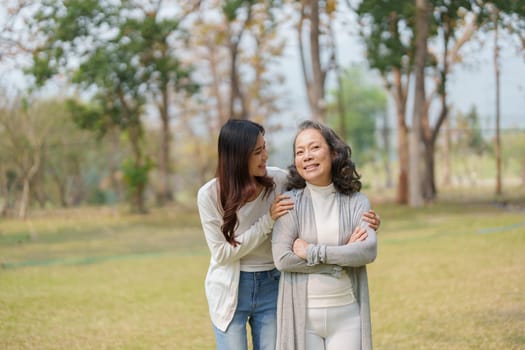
(276, 274)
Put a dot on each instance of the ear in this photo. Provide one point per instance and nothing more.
(333, 154)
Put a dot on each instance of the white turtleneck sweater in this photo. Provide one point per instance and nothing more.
(326, 290)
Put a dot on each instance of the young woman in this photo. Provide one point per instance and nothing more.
(238, 209)
(321, 248)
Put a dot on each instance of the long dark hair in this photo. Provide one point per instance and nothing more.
(344, 173)
(237, 140)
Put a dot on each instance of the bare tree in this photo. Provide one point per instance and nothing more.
(497, 145)
(314, 73)
(422, 27)
(25, 130)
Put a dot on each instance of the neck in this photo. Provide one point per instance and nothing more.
(258, 189)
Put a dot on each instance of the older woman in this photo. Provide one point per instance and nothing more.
(321, 248)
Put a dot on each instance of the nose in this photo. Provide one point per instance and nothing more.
(307, 155)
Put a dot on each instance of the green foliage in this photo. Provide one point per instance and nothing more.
(87, 117)
(135, 175)
(388, 34)
(121, 53)
(364, 103)
(41, 69)
(470, 138)
(230, 8)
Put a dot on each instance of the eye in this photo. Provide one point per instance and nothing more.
(299, 153)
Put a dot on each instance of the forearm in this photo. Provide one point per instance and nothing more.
(354, 254)
(223, 252)
(285, 260)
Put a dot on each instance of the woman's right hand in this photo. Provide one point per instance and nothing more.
(281, 205)
(299, 247)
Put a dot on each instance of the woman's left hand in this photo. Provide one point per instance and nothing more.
(358, 235)
(373, 219)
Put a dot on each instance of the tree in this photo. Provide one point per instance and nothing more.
(470, 137)
(422, 29)
(390, 43)
(386, 31)
(453, 30)
(314, 27)
(26, 128)
(364, 103)
(120, 51)
(232, 10)
(257, 52)
(497, 145)
(510, 16)
(150, 37)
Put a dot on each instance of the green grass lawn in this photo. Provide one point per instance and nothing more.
(447, 276)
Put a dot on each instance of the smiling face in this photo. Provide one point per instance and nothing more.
(258, 158)
(313, 159)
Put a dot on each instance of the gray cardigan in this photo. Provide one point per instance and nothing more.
(300, 223)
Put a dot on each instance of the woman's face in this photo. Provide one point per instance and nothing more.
(258, 158)
(312, 157)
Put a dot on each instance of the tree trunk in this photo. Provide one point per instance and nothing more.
(385, 133)
(341, 108)
(114, 161)
(314, 76)
(430, 134)
(422, 25)
(523, 171)
(134, 132)
(137, 199)
(237, 98)
(497, 76)
(164, 191)
(4, 192)
(318, 104)
(402, 137)
(26, 185)
(429, 184)
(447, 169)
(215, 86)
(61, 187)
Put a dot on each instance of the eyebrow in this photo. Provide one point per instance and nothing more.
(307, 144)
(259, 148)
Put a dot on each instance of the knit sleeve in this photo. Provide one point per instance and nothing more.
(354, 254)
(221, 250)
(285, 232)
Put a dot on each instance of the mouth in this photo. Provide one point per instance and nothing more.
(310, 167)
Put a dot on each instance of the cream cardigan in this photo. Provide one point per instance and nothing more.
(222, 279)
(351, 259)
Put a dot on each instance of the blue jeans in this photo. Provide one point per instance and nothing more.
(256, 305)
